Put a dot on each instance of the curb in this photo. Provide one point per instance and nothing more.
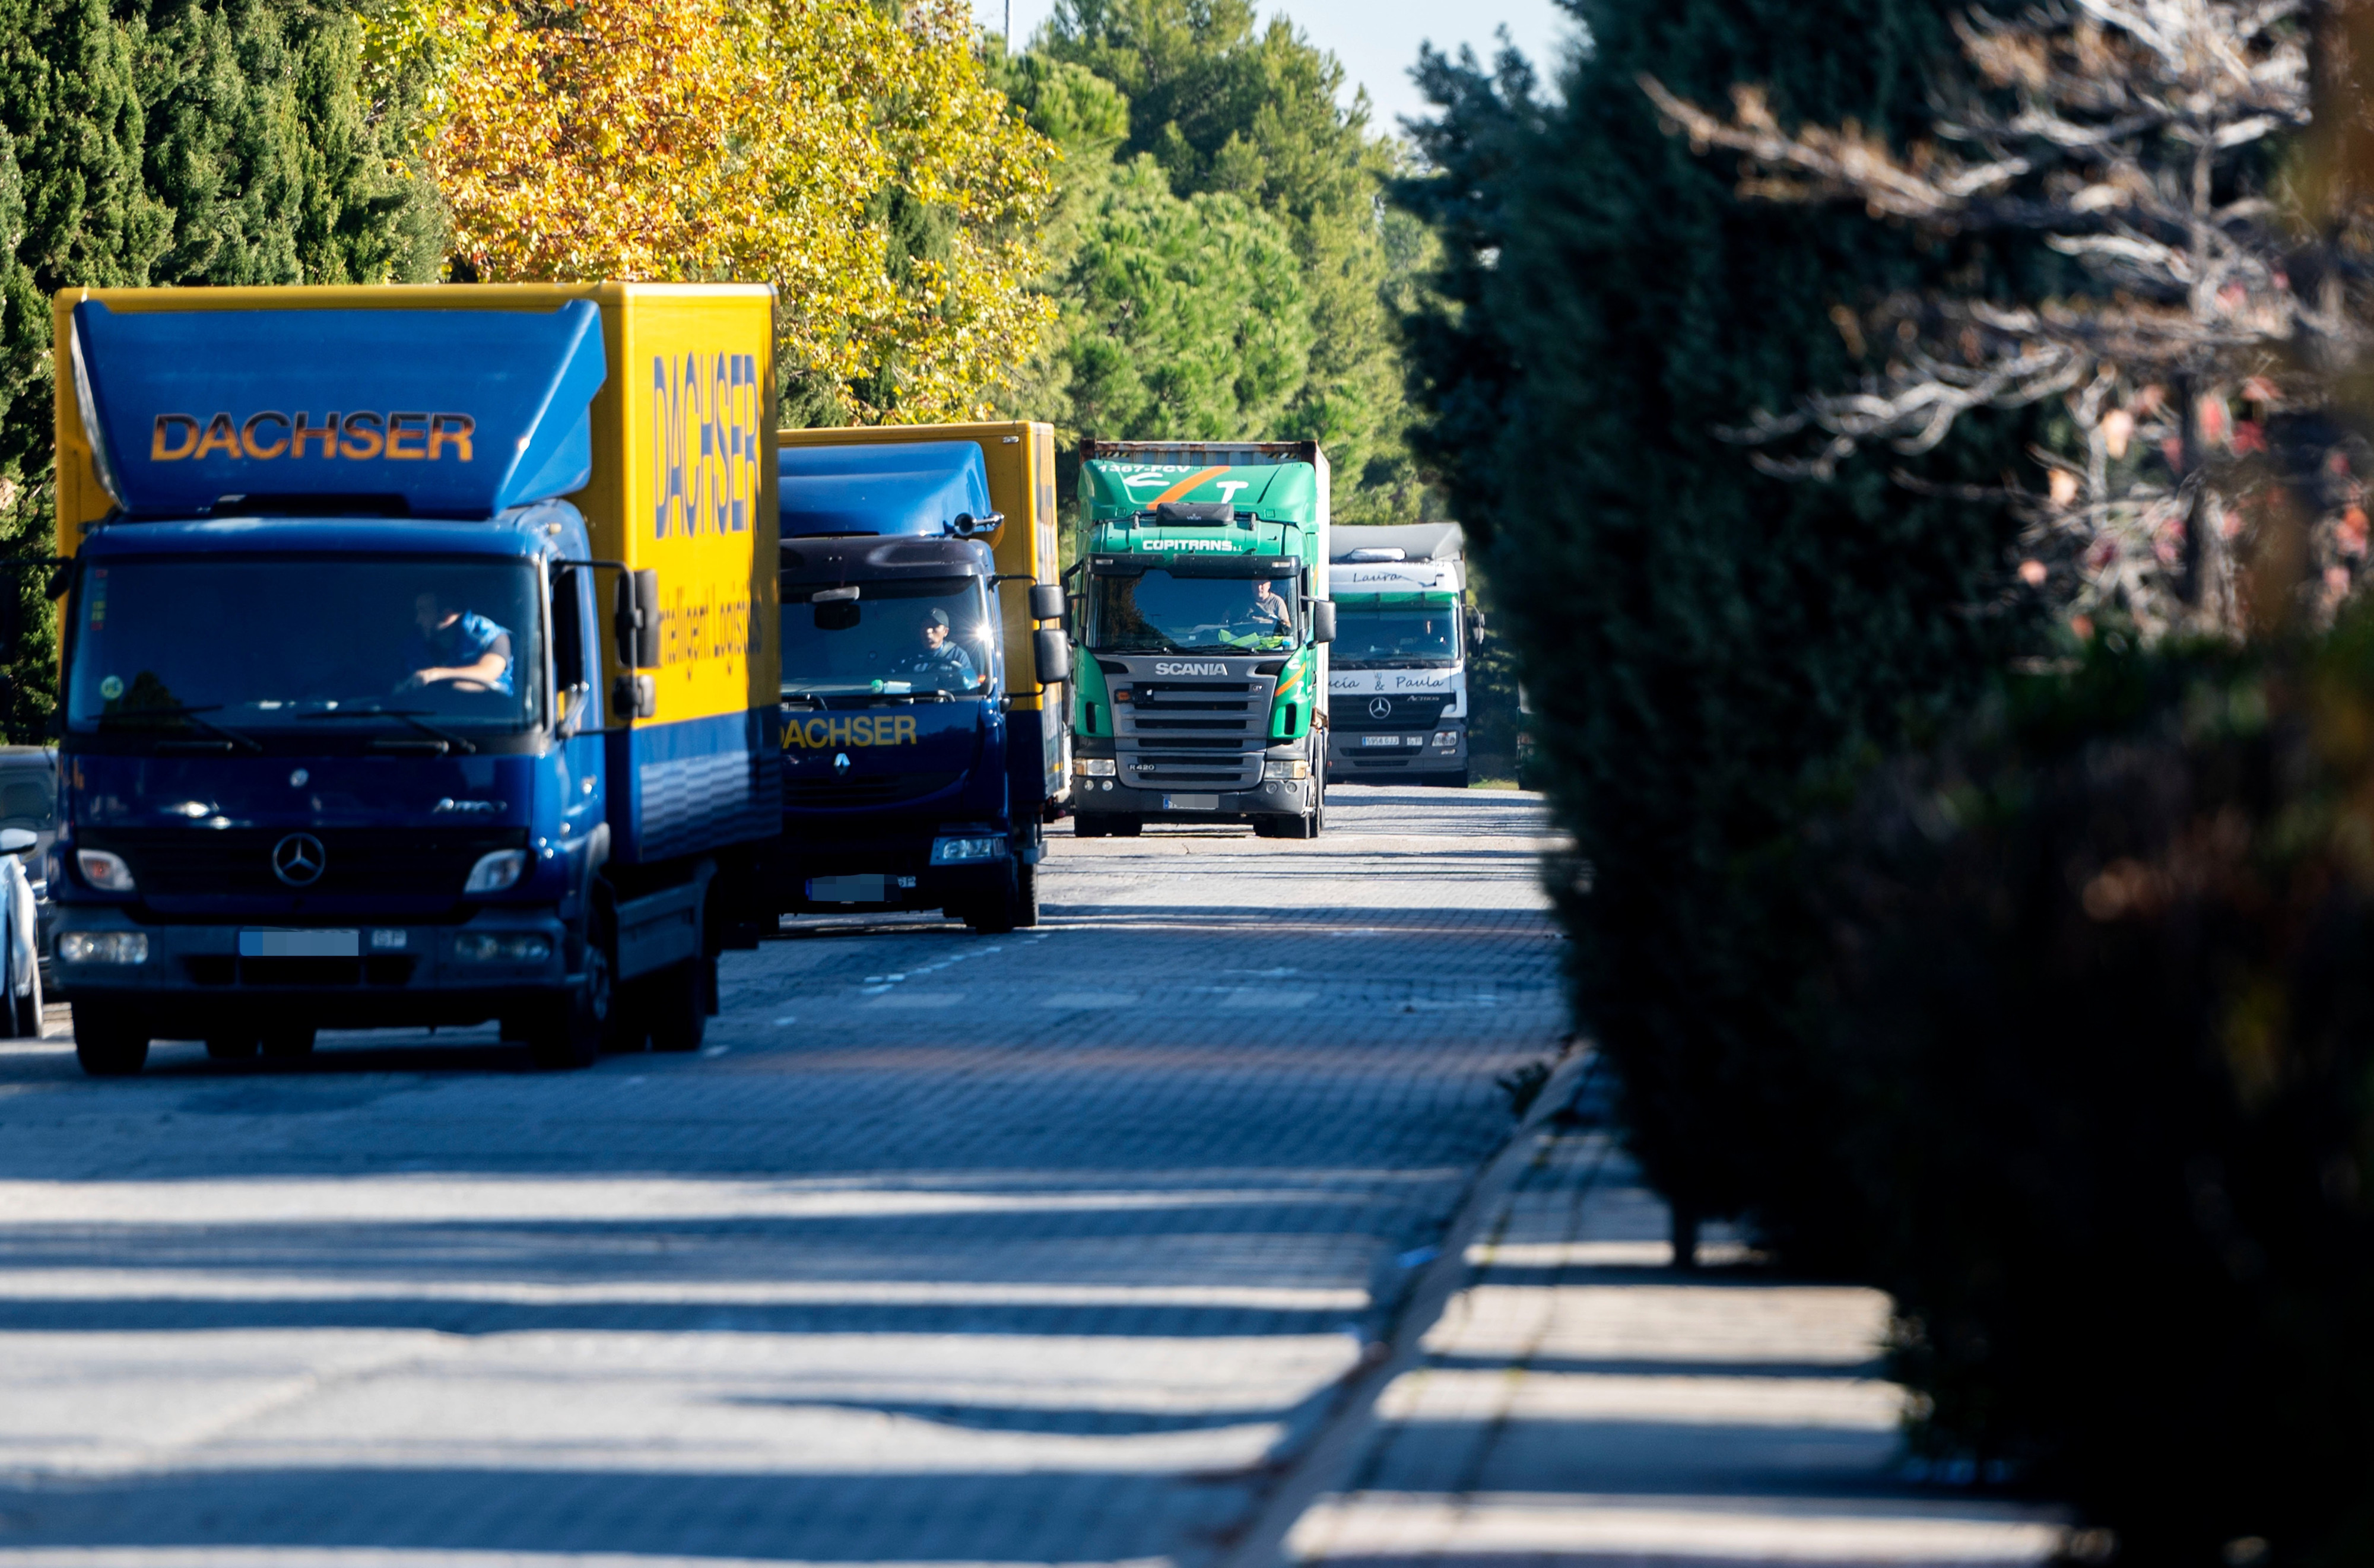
(1340, 1435)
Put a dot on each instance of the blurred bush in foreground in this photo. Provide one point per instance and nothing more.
(2097, 1042)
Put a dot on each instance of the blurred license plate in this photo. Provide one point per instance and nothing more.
(1380, 740)
(849, 889)
(1190, 803)
(301, 944)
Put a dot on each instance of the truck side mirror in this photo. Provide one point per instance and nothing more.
(1322, 621)
(16, 840)
(639, 619)
(1046, 601)
(1053, 656)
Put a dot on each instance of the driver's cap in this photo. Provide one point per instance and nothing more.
(938, 618)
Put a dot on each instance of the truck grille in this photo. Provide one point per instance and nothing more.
(889, 789)
(1205, 736)
(1351, 711)
(399, 862)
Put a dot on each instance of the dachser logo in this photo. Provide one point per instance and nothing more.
(824, 735)
(426, 437)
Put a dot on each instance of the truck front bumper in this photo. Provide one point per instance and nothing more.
(812, 874)
(188, 975)
(1349, 758)
(1271, 798)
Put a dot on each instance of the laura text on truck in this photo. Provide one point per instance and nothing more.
(921, 706)
(419, 661)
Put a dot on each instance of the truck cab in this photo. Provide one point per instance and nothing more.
(916, 770)
(1397, 682)
(1202, 619)
(346, 738)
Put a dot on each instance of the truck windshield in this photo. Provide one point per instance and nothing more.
(915, 634)
(1372, 638)
(258, 643)
(1159, 613)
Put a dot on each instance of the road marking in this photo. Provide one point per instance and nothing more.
(1070, 1000)
(918, 1000)
(1251, 998)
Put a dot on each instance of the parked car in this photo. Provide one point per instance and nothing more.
(29, 823)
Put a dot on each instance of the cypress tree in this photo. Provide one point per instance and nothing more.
(1706, 647)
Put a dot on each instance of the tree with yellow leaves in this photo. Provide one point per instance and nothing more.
(855, 159)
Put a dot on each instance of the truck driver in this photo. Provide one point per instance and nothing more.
(941, 664)
(455, 645)
(1268, 614)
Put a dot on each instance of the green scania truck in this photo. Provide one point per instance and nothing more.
(1200, 614)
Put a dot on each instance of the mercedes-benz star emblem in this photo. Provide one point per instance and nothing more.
(1380, 707)
(298, 860)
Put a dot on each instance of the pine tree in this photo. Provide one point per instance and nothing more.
(1706, 648)
(1226, 108)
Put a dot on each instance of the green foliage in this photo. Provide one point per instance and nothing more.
(1705, 647)
(1242, 126)
(1192, 315)
(2097, 1019)
(182, 142)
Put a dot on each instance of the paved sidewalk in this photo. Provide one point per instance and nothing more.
(1580, 1403)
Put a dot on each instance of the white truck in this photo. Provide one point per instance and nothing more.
(1397, 677)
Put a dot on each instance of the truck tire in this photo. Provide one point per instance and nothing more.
(1026, 907)
(676, 1004)
(1125, 827)
(999, 911)
(1449, 780)
(109, 1043)
(572, 1033)
(286, 1041)
(1088, 825)
(232, 1045)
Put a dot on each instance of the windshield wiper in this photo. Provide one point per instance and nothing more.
(190, 713)
(409, 716)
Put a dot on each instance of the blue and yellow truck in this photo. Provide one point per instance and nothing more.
(419, 661)
(925, 749)
(1202, 619)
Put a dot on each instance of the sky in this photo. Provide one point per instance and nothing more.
(1378, 40)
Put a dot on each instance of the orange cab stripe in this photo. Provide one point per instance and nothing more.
(1190, 482)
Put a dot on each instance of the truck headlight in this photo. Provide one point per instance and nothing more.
(1446, 737)
(497, 871)
(958, 851)
(1093, 767)
(502, 947)
(104, 870)
(103, 947)
(1296, 770)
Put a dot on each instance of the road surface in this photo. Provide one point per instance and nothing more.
(1039, 1248)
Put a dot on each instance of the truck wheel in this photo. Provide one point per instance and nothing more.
(109, 1043)
(997, 912)
(572, 1032)
(1026, 907)
(1125, 827)
(675, 1002)
(1087, 825)
(1451, 781)
(287, 1041)
(233, 1047)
